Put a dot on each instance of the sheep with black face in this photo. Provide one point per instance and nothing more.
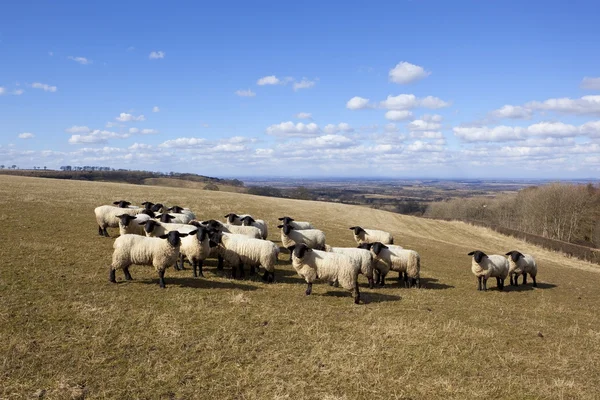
(396, 258)
(485, 267)
(234, 219)
(312, 238)
(257, 223)
(182, 210)
(371, 235)
(363, 257)
(521, 264)
(174, 218)
(154, 228)
(297, 225)
(196, 249)
(107, 217)
(133, 224)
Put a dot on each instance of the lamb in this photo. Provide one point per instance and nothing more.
(250, 231)
(181, 210)
(133, 224)
(484, 267)
(154, 228)
(235, 219)
(371, 236)
(196, 248)
(314, 264)
(259, 223)
(175, 218)
(239, 250)
(520, 263)
(106, 217)
(297, 225)
(313, 238)
(363, 257)
(159, 252)
(395, 258)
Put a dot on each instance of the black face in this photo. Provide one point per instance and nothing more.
(286, 220)
(202, 233)
(149, 225)
(122, 203)
(357, 229)
(157, 207)
(174, 237)
(477, 255)
(248, 220)
(166, 218)
(366, 246)
(125, 219)
(149, 212)
(514, 255)
(176, 209)
(300, 250)
(214, 238)
(148, 205)
(377, 247)
(286, 228)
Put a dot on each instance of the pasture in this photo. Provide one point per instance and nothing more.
(66, 332)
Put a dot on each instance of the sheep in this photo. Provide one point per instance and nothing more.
(484, 267)
(313, 238)
(297, 225)
(154, 228)
(175, 218)
(371, 235)
(250, 231)
(135, 249)
(259, 223)
(235, 219)
(124, 204)
(181, 210)
(363, 256)
(196, 248)
(158, 207)
(520, 263)
(148, 205)
(239, 250)
(106, 217)
(315, 264)
(401, 277)
(395, 258)
(133, 224)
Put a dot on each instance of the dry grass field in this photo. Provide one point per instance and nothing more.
(67, 333)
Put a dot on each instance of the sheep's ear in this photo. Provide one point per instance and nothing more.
(163, 236)
(471, 253)
(192, 232)
(352, 228)
(183, 234)
(120, 216)
(280, 226)
(227, 216)
(281, 219)
(116, 202)
(127, 203)
(142, 223)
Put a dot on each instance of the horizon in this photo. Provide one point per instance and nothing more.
(311, 90)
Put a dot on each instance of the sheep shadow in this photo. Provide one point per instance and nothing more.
(432, 284)
(528, 286)
(199, 283)
(365, 297)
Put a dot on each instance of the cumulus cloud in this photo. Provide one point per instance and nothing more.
(421, 146)
(515, 112)
(80, 60)
(426, 135)
(584, 105)
(433, 102)
(422, 125)
(26, 135)
(304, 84)
(78, 129)
(157, 55)
(126, 117)
(341, 127)
(410, 101)
(485, 134)
(291, 129)
(541, 129)
(590, 83)
(329, 141)
(245, 93)
(96, 136)
(303, 115)
(44, 87)
(591, 128)
(155, 109)
(358, 103)
(268, 80)
(398, 115)
(184, 143)
(405, 72)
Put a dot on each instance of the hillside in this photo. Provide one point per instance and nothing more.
(67, 331)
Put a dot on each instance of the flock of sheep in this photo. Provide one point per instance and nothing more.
(161, 237)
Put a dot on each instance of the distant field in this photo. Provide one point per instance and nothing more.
(67, 332)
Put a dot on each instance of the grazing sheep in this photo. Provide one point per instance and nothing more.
(250, 231)
(181, 210)
(297, 225)
(520, 263)
(175, 218)
(363, 257)
(239, 250)
(371, 236)
(196, 248)
(235, 219)
(395, 258)
(313, 238)
(314, 264)
(156, 252)
(484, 267)
(258, 223)
(154, 228)
(106, 217)
(133, 224)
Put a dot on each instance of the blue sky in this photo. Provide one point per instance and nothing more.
(401, 89)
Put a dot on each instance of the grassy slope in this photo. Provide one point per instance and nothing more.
(65, 329)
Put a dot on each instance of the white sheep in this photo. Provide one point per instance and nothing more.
(182, 210)
(331, 267)
(154, 228)
(133, 224)
(297, 225)
(156, 252)
(250, 231)
(106, 217)
(363, 257)
(313, 238)
(484, 267)
(371, 236)
(196, 248)
(174, 218)
(258, 223)
(239, 250)
(235, 219)
(520, 263)
(395, 258)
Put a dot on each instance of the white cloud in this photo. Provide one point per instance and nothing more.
(432, 118)
(155, 109)
(304, 84)
(245, 93)
(268, 80)
(96, 136)
(358, 103)
(26, 135)
(341, 127)
(405, 72)
(140, 146)
(433, 102)
(2, 90)
(400, 102)
(515, 112)
(303, 115)
(44, 87)
(291, 129)
(17, 92)
(420, 146)
(329, 141)
(426, 135)
(156, 55)
(555, 129)
(133, 131)
(148, 131)
(590, 83)
(184, 143)
(591, 128)
(421, 125)
(78, 129)
(126, 117)
(485, 134)
(582, 106)
(80, 60)
(398, 115)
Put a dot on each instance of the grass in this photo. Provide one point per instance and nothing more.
(66, 332)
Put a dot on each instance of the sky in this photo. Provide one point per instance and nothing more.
(399, 89)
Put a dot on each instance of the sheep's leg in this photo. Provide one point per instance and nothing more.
(200, 264)
(416, 282)
(308, 289)
(219, 262)
(241, 267)
(534, 282)
(252, 270)
(524, 278)
(502, 284)
(112, 276)
(161, 279)
(485, 284)
(234, 271)
(127, 274)
(272, 277)
(100, 232)
(377, 275)
(400, 276)
(382, 283)
(194, 268)
(479, 283)
(291, 250)
(511, 279)
(265, 276)
(356, 293)
(106, 232)
(370, 283)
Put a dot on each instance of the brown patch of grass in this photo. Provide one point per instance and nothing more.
(66, 330)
